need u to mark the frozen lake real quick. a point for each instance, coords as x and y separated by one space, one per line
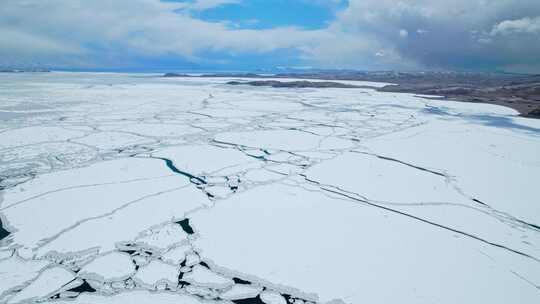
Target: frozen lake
119 188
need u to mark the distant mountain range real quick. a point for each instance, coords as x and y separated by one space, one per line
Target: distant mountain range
29 70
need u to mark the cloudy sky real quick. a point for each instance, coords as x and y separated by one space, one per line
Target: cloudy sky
488 35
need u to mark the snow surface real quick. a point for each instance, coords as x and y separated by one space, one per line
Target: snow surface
156 272
241 291
117 188
270 297
176 255
138 296
49 281
202 276
114 266
14 272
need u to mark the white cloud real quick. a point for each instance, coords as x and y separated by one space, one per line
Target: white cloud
147 27
485 40
114 30
523 25
403 33
201 5
106 32
13 40
459 30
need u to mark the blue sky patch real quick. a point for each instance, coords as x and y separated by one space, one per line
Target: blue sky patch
265 14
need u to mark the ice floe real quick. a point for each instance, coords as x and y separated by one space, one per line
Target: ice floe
116 188
14 272
49 281
115 266
241 291
202 276
157 272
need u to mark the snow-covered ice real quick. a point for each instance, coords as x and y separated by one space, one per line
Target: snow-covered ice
49 281
114 266
269 297
14 272
162 237
156 272
201 276
241 291
117 188
138 296
176 255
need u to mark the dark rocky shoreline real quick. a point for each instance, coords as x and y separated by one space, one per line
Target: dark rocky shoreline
295 84
516 91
